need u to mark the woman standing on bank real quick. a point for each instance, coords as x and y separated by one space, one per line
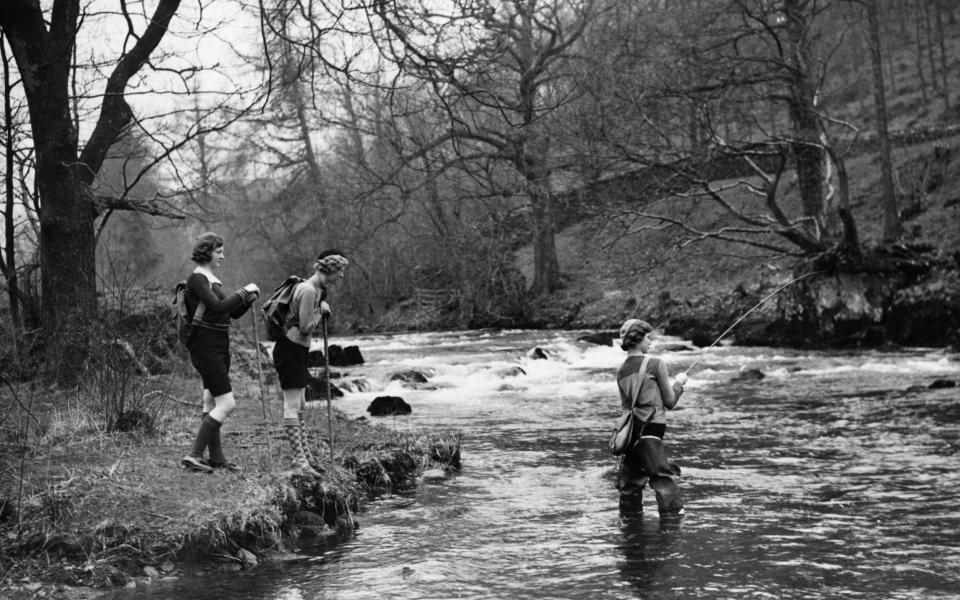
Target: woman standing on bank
645 385
308 309
210 310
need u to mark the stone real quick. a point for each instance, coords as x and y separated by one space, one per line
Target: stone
537 354
247 559
601 338
748 375
151 572
385 406
939 384
511 372
410 376
345 357
434 475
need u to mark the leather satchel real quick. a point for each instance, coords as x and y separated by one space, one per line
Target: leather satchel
622 439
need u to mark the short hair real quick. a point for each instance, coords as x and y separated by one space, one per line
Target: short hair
204 247
632 332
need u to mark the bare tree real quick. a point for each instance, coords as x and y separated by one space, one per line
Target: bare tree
892 225
501 70
43 39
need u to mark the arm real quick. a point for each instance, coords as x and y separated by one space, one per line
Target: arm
308 320
200 287
670 394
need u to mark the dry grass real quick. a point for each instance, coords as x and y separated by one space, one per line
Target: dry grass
80 505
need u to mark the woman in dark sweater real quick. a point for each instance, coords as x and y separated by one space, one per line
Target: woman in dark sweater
210 310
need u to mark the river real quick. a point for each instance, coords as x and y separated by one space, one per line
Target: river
832 476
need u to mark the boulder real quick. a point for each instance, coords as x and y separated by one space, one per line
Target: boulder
940 384
315 359
345 357
385 406
511 372
317 389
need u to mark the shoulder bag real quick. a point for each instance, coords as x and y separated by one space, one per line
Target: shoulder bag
622 439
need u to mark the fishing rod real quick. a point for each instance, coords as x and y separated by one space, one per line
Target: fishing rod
744 316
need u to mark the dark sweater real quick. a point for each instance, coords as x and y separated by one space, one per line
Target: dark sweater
219 308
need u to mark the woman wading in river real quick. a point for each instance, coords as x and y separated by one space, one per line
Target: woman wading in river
645 385
210 311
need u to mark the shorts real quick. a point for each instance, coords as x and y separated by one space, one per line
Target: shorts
290 360
210 356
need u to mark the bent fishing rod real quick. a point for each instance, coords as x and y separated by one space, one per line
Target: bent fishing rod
744 315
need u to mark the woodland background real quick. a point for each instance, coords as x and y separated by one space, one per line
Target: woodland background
543 163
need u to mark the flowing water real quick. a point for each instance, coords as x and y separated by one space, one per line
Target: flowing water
834 476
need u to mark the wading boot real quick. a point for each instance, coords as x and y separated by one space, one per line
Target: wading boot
631 506
299 459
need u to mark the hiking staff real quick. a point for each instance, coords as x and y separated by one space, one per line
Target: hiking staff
298 319
263 401
326 373
744 316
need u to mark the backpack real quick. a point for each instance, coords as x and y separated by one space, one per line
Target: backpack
276 308
181 316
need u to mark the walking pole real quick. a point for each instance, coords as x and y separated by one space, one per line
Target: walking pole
326 370
744 315
263 402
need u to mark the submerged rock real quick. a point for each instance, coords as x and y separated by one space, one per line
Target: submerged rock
748 375
414 376
511 372
537 354
601 338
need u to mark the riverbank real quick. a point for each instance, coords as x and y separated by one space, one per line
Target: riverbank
83 510
884 295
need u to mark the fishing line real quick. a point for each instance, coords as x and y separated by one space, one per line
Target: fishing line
744 315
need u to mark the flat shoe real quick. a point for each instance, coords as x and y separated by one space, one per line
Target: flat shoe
196 464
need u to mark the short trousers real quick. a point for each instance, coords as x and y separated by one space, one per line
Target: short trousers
290 359
210 356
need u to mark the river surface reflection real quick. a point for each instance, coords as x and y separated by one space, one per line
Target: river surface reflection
835 475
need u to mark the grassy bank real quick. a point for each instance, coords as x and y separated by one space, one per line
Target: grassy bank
93 494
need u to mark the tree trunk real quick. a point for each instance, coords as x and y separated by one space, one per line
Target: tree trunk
892 226
67 257
806 147
546 267
9 250
938 10
918 61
